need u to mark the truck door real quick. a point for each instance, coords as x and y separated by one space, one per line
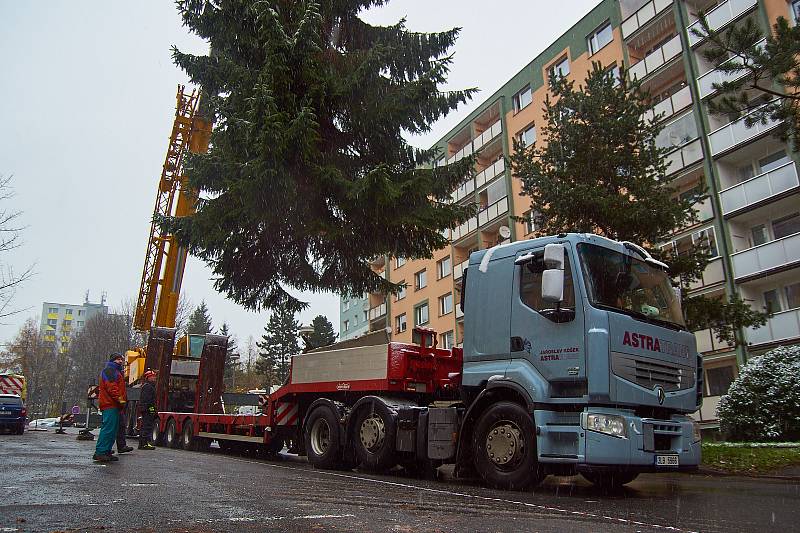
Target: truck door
549 336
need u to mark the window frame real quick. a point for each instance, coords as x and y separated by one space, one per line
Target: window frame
520 136
417 277
452 336
402 294
591 39
417 309
517 99
442 300
551 70
399 262
439 264
398 322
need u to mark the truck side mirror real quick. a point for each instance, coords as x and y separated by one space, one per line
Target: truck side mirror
554 256
553 285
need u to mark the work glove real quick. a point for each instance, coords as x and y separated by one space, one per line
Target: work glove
151 409
122 403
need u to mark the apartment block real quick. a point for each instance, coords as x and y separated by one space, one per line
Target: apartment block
61 321
751 216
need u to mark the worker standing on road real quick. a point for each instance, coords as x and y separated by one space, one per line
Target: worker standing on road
112 397
147 401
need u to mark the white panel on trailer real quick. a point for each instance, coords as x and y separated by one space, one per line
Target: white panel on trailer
349 364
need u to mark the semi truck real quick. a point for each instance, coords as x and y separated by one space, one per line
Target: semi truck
575 359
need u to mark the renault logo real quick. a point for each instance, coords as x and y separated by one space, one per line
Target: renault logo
660 394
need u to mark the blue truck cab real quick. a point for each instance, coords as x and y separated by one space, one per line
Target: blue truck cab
588 334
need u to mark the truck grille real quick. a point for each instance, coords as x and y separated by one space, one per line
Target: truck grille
649 373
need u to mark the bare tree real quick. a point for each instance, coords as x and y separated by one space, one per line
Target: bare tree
29 355
10 239
182 314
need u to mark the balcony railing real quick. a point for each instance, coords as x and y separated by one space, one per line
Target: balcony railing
477 143
493 131
766 256
719 17
707 342
643 15
737 132
670 50
675 103
459 269
489 173
377 311
780 326
464 229
684 156
466 189
706 82
498 208
712 275
459 312
759 188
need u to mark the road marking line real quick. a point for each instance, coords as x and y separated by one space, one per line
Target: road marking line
466 495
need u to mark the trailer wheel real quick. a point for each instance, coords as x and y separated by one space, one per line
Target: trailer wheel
505 447
373 436
187 437
156 436
610 481
322 438
171 434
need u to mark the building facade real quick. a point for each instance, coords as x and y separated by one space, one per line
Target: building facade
60 322
751 217
353 317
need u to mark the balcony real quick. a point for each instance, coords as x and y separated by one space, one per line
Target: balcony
707 342
681 158
466 189
720 16
464 229
712 275
645 14
759 188
767 256
781 326
377 312
490 172
484 138
500 207
737 132
458 270
652 62
461 154
675 103
716 76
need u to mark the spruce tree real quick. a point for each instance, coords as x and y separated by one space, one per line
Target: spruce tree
278 344
199 320
768 84
322 335
602 172
309 104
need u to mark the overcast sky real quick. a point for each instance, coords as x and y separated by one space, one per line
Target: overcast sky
87 98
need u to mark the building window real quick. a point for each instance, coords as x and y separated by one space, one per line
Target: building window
446 304
399 261
67 323
705 237
346 305
446 340
402 293
80 312
719 380
526 137
52 322
772 301
443 267
400 323
533 221
796 10
601 37
613 71
53 310
80 323
522 99
786 226
792 295
366 316
420 280
759 234
560 68
346 325
421 315
355 321
68 312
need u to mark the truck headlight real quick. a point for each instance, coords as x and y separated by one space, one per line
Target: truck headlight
613 425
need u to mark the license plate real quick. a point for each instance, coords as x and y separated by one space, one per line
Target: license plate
667 460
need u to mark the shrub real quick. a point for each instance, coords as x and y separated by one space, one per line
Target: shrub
763 403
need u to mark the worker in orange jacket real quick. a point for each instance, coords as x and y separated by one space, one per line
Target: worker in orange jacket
112 397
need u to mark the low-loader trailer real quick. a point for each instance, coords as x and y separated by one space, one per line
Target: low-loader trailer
575 359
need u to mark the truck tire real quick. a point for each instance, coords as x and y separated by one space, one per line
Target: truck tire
373 435
187 437
504 447
171 439
609 481
322 438
156 438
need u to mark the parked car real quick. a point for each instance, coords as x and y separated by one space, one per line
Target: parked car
13 413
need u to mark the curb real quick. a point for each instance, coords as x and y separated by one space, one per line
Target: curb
722 473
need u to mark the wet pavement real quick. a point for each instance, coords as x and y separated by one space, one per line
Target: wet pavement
49 483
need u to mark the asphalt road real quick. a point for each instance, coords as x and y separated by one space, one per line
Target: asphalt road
49 483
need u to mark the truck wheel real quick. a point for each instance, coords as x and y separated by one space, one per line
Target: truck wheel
171 434
156 437
505 447
322 438
610 481
187 437
373 434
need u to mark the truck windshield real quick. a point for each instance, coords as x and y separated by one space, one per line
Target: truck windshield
631 286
